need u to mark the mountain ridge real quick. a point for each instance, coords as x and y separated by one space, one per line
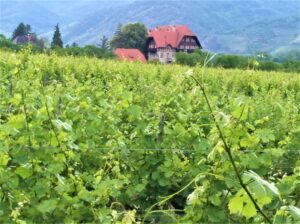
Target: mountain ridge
232 26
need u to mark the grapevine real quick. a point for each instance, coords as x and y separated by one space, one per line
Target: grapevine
102 141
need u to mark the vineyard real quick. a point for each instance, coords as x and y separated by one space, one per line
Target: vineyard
84 140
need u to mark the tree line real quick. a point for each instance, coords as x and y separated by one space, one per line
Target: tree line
135 35
126 36
260 61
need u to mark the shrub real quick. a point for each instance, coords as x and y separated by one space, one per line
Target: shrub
292 66
231 61
154 61
191 59
89 50
6 43
269 66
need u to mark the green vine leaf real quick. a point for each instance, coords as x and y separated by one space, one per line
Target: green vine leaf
242 204
249 210
24 171
260 186
47 206
294 211
236 204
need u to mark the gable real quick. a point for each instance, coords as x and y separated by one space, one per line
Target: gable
169 35
191 41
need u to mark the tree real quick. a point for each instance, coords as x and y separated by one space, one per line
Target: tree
118 30
132 35
28 28
292 66
6 43
56 40
74 44
104 43
42 42
21 30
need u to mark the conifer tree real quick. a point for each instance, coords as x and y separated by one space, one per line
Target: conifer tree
118 30
56 40
28 28
104 43
21 30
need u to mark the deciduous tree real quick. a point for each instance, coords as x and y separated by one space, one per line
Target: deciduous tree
133 35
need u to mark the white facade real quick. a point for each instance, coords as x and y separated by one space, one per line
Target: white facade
164 55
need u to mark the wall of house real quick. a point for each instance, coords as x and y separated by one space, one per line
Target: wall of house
166 55
152 56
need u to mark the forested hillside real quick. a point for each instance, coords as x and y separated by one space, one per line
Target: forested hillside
233 26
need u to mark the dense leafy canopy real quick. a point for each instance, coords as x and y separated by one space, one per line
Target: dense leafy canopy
21 30
94 141
7 44
257 62
132 35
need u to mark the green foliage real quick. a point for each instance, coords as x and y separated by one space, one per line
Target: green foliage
192 59
232 61
88 50
133 35
154 61
292 66
56 40
269 66
21 30
7 44
84 140
104 43
262 61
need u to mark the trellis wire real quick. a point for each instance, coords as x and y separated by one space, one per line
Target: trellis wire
174 150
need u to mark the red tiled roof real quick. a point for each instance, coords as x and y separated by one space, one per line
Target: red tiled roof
130 55
169 35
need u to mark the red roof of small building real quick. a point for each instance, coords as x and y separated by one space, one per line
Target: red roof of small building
169 35
130 55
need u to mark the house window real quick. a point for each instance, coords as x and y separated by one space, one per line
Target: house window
168 55
187 39
161 55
